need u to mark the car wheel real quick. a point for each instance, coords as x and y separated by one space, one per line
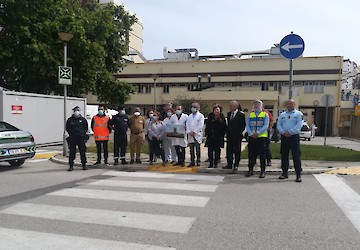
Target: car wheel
16 163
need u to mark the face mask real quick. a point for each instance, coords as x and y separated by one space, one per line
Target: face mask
155 118
169 114
122 112
193 110
100 112
151 115
76 113
137 113
178 112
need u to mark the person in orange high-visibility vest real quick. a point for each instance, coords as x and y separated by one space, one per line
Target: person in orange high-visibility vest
101 128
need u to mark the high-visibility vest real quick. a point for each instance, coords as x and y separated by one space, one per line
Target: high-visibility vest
101 130
256 122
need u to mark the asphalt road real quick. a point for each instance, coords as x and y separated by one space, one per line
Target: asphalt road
42 206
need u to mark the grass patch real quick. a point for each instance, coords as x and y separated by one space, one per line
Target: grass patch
92 148
317 153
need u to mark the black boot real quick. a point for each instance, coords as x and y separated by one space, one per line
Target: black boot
250 172
262 172
84 167
298 178
71 168
123 162
116 161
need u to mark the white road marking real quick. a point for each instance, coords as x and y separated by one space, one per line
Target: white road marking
216 178
36 160
156 185
344 196
157 222
31 240
168 199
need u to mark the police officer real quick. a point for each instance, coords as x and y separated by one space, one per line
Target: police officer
289 125
119 124
136 126
101 128
77 126
256 126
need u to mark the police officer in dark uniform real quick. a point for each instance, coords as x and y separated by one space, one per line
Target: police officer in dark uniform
77 126
119 123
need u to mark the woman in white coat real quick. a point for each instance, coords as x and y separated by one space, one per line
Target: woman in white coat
170 153
179 118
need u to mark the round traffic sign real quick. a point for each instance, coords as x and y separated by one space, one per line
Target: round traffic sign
292 46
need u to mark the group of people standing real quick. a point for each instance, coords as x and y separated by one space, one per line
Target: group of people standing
172 149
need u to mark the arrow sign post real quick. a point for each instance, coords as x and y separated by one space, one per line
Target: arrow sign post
291 47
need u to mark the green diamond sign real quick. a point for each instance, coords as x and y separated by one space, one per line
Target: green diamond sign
65 75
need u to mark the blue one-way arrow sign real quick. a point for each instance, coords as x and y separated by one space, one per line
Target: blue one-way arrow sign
292 46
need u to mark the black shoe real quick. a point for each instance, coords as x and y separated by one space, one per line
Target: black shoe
176 164
132 161
262 175
182 164
298 179
138 161
207 160
172 162
215 166
116 162
198 164
71 168
97 163
84 167
191 165
106 162
236 168
283 176
124 162
249 173
210 166
268 163
227 167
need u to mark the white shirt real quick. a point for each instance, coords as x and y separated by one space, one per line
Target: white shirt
195 123
182 121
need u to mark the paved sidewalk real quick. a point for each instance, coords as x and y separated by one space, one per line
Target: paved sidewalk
309 167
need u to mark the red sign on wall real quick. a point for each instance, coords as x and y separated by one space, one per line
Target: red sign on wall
16 109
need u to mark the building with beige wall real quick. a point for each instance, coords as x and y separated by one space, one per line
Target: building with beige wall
224 79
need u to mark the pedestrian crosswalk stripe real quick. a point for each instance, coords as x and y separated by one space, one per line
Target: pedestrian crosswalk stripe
168 199
344 196
147 221
194 177
31 240
156 185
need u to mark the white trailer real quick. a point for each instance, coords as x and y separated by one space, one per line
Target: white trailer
41 115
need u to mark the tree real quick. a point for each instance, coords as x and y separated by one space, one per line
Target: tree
186 103
31 51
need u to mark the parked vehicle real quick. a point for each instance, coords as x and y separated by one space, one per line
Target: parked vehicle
15 145
305 132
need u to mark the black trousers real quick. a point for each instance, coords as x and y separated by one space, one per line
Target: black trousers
257 147
157 149
233 148
80 143
214 151
180 152
195 147
290 143
120 144
103 145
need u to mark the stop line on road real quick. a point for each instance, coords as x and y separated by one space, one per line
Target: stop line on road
148 191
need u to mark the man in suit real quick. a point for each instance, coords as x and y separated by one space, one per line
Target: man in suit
234 135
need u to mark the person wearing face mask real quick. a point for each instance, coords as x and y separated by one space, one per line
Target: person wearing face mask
101 127
194 126
119 123
77 126
289 125
149 115
156 134
257 127
136 125
170 153
179 118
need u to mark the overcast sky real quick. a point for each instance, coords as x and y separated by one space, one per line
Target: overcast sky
328 27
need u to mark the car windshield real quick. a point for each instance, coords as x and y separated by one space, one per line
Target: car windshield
7 127
305 127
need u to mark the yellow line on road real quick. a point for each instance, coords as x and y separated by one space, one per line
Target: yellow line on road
350 171
172 169
44 155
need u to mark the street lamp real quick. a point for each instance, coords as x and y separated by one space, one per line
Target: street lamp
65 37
155 77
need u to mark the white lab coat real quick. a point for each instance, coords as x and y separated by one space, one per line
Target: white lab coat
195 123
182 121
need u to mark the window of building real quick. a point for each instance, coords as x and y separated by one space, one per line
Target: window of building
277 86
166 88
330 83
319 87
298 84
308 88
255 84
264 86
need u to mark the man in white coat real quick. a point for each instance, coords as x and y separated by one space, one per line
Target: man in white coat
179 118
194 127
